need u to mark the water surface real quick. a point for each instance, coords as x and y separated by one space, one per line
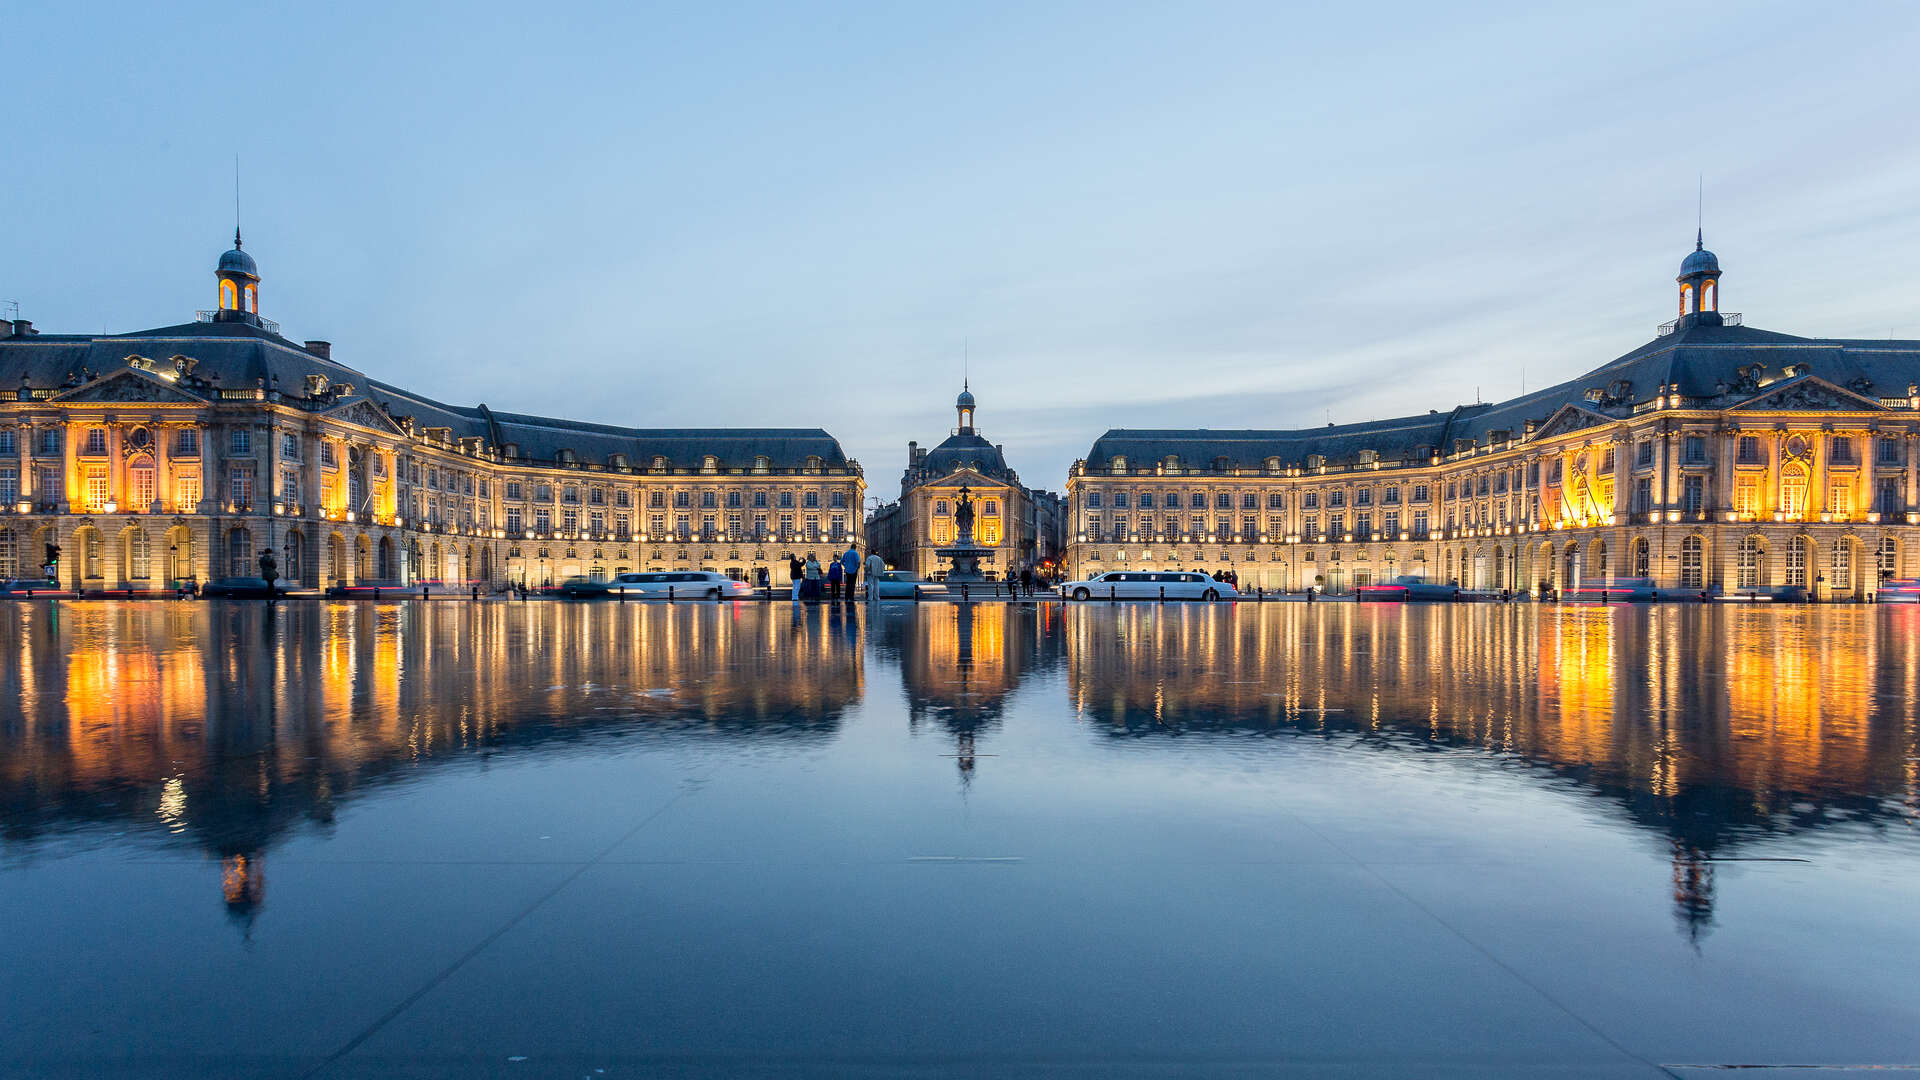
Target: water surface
533 840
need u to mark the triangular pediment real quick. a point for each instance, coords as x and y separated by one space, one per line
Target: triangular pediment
1808 393
970 477
128 385
1570 418
365 413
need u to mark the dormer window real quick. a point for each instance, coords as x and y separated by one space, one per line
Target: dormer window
761 463
1118 465
660 462
709 464
510 451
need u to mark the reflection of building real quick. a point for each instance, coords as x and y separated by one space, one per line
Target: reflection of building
181 452
229 729
1713 455
1020 525
961 662
1707 725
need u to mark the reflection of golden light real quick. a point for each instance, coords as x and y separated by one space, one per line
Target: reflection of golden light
173 804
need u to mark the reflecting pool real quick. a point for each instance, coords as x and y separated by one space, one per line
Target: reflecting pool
550 839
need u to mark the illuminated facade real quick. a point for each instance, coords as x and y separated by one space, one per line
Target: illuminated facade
181 453
1716 456
1020 526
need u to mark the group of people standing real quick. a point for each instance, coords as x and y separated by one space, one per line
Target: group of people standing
838 580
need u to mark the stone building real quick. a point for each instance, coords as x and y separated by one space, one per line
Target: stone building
1020 525
181 453
1716 455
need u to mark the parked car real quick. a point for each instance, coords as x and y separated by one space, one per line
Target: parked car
243 587
658 585
901 585
1149 585
1408 588
1900 591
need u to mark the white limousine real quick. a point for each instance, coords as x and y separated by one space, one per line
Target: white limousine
1149 585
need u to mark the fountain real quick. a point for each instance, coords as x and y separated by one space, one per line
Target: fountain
964 554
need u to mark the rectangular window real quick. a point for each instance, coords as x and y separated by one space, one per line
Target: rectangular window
1842 448
1276 501
1750 452
1695 449
1337 497
240 441
1693 494
1363 524
1642 495
1645 453
597 523
1310 500
1746 496
186 491
1419 493
1840 500
6 441
1419 524
1093 500
682 526
1336 526
96 440
50 440
240 487
290 447
543 521
9 488
570 521
623 527
514 527
1390 524
1888 499
1888 451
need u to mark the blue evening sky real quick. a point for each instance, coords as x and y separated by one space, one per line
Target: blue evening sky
1167 215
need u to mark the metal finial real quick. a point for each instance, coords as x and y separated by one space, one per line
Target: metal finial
236 238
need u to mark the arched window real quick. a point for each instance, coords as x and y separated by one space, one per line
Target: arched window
1692 563
140 485
1793 494
1641 563
239 553
139 556
1707 297
1799 554
253 299
1749 564
229 298
91 548
1842 575
1600 558
1889 558
1686 299
1570 568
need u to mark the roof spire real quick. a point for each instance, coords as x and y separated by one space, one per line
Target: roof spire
236 202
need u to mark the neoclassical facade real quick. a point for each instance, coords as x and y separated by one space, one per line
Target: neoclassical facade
1716 456
181 453
1020 526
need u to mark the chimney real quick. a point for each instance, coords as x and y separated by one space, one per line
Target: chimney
23 328
913 450
321 349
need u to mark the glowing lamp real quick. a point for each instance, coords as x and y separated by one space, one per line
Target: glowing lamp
111 507
24 506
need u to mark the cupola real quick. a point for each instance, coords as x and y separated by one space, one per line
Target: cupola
963 405
239 285
1700 284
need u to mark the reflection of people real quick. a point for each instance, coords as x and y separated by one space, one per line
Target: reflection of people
875 565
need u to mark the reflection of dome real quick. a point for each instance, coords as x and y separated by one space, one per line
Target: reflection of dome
1701 261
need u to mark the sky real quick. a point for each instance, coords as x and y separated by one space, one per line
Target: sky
1106 215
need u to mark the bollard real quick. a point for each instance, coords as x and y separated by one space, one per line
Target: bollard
1163 594
1603 596
916 592
376 592
963 592
669 594
717 596
1110 596
623 594
425 590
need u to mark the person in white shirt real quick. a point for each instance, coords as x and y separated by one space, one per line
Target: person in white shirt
875 564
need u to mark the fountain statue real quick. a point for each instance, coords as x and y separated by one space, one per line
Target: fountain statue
964 554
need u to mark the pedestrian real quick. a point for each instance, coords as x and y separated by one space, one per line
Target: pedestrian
834 576
875 564
811 570
850 570
1026 579
796 573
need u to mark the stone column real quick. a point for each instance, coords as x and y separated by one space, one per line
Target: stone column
158 435
29 482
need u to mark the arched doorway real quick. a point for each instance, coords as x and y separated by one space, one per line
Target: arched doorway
136 557
336 559
1570 568
179 555
362 558
240 554
1750 563
1639 558
1693 562
293 559
1843 575
385 554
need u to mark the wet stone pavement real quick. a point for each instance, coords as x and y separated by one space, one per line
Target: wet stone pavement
597 840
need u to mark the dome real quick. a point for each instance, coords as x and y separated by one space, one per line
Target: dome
237 261
1701 261
964 401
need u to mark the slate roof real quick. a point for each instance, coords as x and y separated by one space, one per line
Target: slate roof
965 452
1710 363
234 355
